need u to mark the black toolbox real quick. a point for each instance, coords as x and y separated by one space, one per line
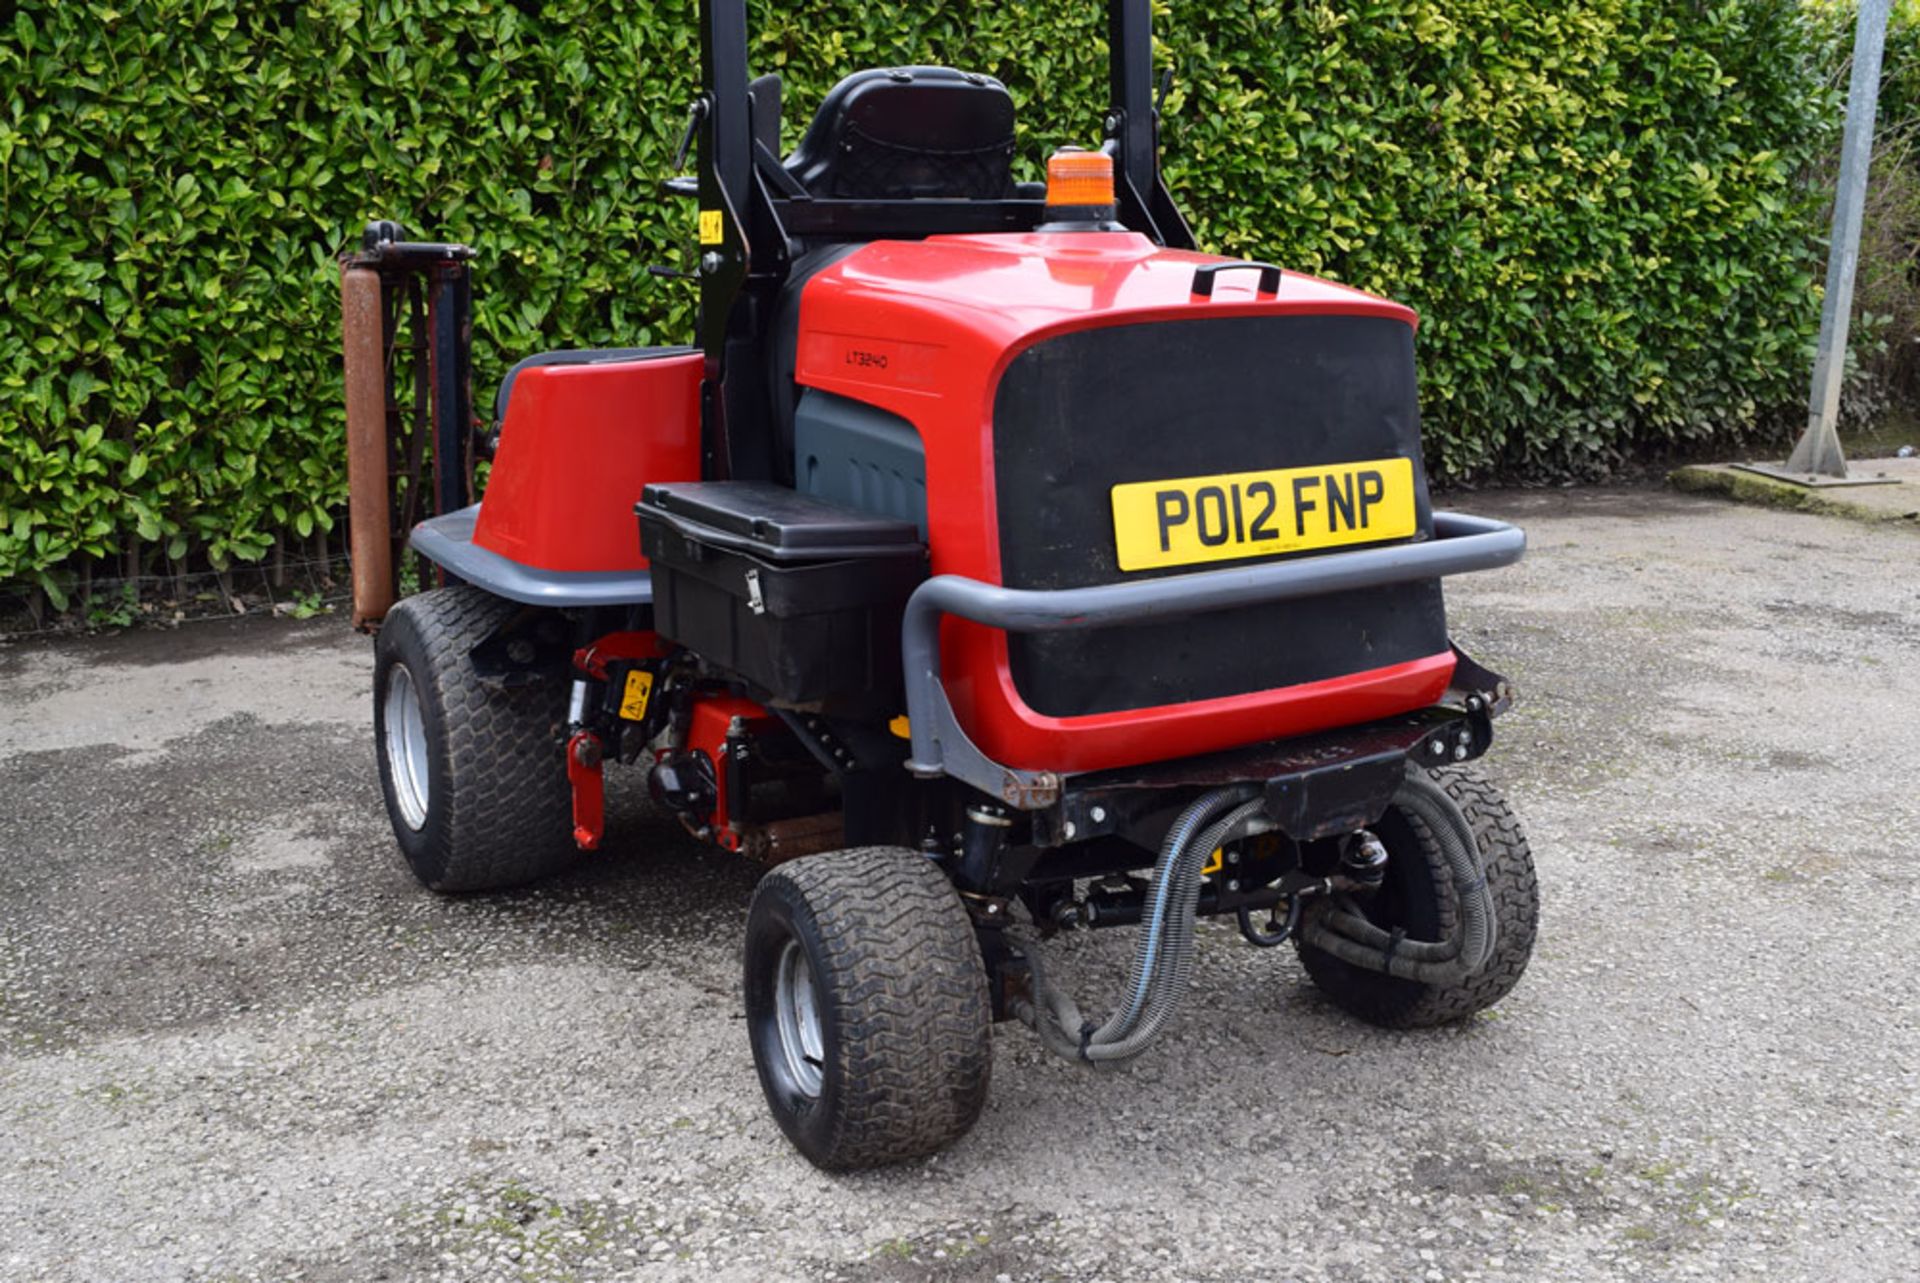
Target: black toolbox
799 596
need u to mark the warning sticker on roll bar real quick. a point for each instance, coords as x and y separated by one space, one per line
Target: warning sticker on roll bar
1191 520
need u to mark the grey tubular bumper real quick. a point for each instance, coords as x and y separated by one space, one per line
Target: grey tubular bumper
1460 544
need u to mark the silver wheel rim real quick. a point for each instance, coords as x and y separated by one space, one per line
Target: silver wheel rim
797 1020
407 747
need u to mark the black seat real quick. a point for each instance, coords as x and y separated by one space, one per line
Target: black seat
909 133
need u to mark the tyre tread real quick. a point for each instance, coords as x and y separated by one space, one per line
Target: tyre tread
509 815
906 988
1514 888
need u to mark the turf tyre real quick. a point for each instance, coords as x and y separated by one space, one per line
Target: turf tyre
1418 897
497 807
900 993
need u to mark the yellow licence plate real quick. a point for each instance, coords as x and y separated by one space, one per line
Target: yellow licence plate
1256 514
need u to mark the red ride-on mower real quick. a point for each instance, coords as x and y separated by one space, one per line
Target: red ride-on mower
1002 567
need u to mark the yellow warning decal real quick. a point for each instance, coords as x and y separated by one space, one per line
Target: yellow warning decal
713 227
633 700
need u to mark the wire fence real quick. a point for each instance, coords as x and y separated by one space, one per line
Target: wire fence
290 588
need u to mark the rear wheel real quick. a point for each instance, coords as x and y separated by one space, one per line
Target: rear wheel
474 777
867 1006
1418 898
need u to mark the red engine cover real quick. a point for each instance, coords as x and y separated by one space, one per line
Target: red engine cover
578 444
926 329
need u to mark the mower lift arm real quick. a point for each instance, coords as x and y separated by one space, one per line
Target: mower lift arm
1461 544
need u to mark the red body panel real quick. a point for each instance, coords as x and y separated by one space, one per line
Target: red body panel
578 444
589 786
591 661
713 717
925 330
585 750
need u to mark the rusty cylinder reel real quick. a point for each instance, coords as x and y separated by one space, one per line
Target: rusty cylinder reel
369 487
427 284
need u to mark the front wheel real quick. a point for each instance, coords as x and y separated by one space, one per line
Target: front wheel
474 775
867 1006
1418 898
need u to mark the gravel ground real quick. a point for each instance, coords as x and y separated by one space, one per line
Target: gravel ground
237 1042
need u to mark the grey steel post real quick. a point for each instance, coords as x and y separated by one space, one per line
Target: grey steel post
1818 451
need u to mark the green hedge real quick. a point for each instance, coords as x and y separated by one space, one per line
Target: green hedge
1593 205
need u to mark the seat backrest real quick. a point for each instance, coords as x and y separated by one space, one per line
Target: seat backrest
908 132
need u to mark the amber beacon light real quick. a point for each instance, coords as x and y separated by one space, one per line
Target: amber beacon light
1079 189
1077 177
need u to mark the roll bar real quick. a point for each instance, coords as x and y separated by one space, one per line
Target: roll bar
1133 127
748 218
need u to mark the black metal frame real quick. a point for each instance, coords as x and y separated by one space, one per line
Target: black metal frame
1133 127
764 219
429 283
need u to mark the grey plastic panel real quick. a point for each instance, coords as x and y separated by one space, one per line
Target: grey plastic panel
859 456
447 541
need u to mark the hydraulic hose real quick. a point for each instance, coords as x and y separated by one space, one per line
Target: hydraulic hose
1176 965
1163 959
1435 817
1059 1025
1180 836
1271 939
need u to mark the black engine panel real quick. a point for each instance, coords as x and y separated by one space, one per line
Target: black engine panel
1078 414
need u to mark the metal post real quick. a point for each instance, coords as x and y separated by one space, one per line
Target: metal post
725 154
369 486
1818 452
1130 77
1133 127
375 283
450 319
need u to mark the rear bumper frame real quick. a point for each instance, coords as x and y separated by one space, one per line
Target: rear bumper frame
1312 786
1460 544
